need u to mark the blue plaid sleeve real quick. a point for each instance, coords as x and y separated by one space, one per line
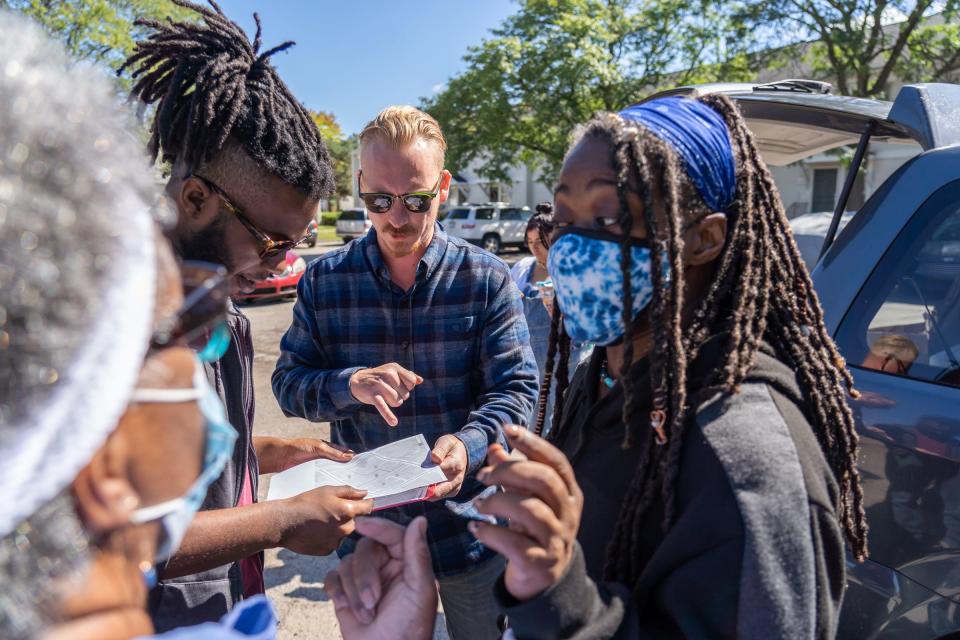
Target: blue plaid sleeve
301 383
509 374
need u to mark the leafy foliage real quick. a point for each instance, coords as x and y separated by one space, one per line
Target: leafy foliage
100 31
340 148
555 63
863 45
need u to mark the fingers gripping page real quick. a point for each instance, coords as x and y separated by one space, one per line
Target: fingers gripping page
393 474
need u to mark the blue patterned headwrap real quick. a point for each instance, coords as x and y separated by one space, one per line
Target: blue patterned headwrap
700 136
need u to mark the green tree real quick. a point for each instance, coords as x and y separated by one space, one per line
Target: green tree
555 63
340 147
100 31
861 46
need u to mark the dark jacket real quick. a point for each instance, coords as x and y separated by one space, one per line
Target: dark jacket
208 596
755 550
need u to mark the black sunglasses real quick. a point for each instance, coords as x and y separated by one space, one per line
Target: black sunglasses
415 202
204 309
268 246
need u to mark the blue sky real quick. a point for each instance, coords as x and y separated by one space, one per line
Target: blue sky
355 57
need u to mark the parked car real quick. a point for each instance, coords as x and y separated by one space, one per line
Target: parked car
353 223
493 225
282 285
810 230
311 240
892 277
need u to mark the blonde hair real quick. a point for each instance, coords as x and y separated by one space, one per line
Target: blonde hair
401 125
895 345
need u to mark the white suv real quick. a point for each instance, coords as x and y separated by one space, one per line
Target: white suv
493 226
353 223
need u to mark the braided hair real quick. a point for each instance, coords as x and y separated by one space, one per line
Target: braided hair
761 292
559 342
212 85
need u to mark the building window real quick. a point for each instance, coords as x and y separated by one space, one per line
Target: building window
824 190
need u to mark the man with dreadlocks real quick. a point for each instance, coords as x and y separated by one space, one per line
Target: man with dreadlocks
248 169
704 475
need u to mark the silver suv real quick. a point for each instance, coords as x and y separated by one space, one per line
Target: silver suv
493 225
353 223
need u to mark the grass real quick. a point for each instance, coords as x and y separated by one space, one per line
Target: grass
327 234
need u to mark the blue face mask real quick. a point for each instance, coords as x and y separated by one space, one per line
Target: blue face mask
585 268
175 515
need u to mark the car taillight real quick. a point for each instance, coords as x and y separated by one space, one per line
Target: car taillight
468 225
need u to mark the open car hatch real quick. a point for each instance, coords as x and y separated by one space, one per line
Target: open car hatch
791 121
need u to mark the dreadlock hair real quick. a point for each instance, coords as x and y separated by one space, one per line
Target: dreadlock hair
559 341
212 85
761 291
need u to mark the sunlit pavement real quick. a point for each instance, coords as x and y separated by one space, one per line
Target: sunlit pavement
295 582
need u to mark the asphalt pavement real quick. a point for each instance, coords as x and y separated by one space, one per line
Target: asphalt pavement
295 582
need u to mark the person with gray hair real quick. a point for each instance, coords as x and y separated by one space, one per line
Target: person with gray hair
109 431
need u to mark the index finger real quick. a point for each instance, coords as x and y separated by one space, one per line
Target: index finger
408 378
384 410
539 450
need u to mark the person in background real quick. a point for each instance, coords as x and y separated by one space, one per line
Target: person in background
531 277
108 443
247 171
409 331
892 353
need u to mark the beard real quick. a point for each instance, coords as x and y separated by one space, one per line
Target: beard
209 245
418 240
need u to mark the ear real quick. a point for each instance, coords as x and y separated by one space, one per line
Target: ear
104 496
445 186
197 202
705 241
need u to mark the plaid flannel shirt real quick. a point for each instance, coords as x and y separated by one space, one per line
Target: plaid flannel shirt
460 327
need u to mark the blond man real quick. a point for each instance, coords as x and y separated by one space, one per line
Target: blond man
891 353
409 331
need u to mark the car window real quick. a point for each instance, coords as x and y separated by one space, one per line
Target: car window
906 320
458 214
511 214
486 214
353 214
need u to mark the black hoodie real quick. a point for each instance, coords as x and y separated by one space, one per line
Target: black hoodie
755 550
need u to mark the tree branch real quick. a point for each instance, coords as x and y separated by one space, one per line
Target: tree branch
906 30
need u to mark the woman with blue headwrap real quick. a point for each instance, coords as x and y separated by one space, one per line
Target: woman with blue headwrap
700 480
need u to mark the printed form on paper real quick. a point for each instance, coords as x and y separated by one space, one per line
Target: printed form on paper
394 474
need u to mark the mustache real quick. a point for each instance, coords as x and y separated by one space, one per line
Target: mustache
404 230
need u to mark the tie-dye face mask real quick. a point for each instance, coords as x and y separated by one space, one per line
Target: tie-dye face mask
585 268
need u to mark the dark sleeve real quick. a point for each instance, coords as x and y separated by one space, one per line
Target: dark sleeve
305 382
828 547
690 585
508 374
696 600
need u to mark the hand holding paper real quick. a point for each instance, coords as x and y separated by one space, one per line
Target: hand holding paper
451 454
393 474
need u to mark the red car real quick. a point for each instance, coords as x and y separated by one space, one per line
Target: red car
282 285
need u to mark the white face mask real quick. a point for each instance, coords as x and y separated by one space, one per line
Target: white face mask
175 515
